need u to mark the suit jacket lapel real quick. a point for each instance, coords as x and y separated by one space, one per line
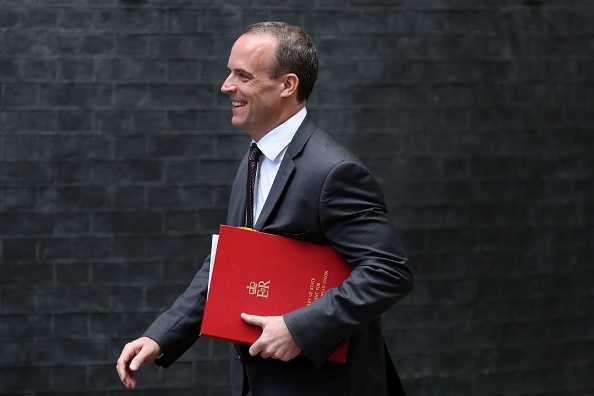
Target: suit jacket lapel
237 204
285 170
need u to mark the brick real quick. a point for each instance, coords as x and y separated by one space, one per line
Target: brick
181 247
215 71
25 223
231 146
180 222
131 44
221 19
69 274
130 70
72 172
75 17
182 71
76 69
72 300
16 353
211 219
150 122
71 326
21 121
182 46
71 351
138 19
73 198
119 273
92 248
126 299
164 197
72 223
37 69
221 170
36 16
183 20
129 247
131 95
24 327
180 171
55 248
140 171
162 297
146 122
20 41
75 148
129 197
74 121
76 95
179 95
64 43
138 223
182 120
20 147
19 199
23 274
12 379
67 378
113 325
130 147
179 146
18 301
114 121
9 17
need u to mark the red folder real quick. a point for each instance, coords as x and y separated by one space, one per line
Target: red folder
266 275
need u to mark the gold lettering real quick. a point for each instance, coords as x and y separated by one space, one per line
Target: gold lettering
252 287
263 289
260 289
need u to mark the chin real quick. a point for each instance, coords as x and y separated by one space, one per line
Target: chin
236 123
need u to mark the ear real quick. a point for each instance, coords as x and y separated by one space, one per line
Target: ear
290 83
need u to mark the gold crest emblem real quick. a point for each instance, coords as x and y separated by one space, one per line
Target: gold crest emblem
260 289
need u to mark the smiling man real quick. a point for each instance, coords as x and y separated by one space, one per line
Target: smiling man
308 187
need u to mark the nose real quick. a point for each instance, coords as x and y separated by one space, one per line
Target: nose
227 86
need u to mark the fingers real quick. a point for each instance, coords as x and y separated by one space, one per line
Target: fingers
136 354
258 346
275 341
124 372
254 319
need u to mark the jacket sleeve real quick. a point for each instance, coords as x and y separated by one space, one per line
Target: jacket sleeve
355 221
178 328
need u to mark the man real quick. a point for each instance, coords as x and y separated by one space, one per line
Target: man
311 188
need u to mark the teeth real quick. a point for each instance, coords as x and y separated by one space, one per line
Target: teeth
237 104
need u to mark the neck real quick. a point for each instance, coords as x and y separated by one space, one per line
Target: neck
285 115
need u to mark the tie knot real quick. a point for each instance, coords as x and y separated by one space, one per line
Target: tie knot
254 153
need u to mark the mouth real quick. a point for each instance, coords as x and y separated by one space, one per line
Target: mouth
238 104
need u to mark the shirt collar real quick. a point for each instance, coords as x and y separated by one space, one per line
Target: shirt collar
275 141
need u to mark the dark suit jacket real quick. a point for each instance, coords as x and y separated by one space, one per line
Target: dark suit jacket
321 194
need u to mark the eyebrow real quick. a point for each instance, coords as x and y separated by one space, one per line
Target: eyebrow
240 70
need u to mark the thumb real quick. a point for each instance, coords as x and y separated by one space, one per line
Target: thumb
136 363
140 360
253 319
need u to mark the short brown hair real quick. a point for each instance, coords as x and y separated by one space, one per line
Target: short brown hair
295 53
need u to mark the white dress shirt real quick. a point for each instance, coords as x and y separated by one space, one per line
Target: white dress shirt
273 146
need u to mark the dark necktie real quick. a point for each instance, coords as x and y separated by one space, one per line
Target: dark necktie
251 179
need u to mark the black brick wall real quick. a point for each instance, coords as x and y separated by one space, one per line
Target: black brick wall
117 155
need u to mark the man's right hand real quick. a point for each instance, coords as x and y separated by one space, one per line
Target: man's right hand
136 354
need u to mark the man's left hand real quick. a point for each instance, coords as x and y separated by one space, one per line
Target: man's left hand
276 340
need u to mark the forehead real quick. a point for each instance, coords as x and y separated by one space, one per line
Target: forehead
253 52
